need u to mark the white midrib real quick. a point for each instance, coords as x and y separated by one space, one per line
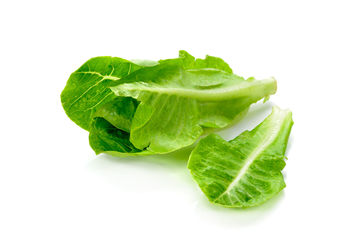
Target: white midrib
277 122
264 87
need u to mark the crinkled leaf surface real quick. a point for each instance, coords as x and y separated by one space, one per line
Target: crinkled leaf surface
245 171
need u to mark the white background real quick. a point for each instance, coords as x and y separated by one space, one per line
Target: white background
56 195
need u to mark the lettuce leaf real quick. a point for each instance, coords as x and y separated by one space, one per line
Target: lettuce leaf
176 104
245 171
110 129
148 107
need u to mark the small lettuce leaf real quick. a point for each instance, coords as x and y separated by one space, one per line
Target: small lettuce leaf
245 171
110 129
86 90
177 102
119 112
105 137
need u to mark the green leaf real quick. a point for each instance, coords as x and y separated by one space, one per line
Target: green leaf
119 112
245 171
177 102
105 137
86 90
110 129
158 106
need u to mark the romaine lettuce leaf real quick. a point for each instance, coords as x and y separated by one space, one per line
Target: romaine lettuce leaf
245 171
159 106
177 103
